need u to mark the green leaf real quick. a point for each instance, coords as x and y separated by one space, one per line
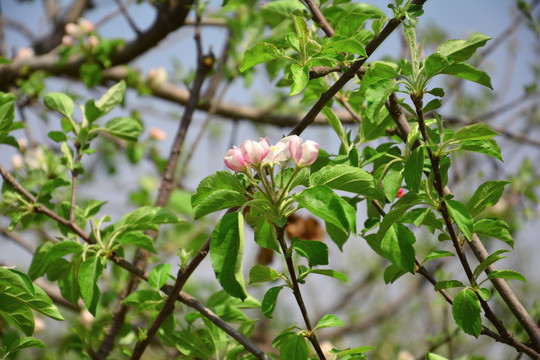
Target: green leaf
261 273
124 128
397 247
7 113
446 284
91 74
316 252
259 53
432 105
349 24
376 95
61 249
39 302
52 184
484 293
111 98
216 192
458 212
329 320
90 271
226 252
348 178
334 122
412 173
475 132
400 208
491 259
343 45
300 76
487 194
57 136
159 276
432 356
468 72
38 266
269 301
59 102
25 343
461 50
265 235
496 228
466 312
294 347
360 350
331 273
437 255
392 183
487 147
392 273
16 313
16 279
507 275
321 201
144 299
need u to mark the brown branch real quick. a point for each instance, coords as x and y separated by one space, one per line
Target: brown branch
319 18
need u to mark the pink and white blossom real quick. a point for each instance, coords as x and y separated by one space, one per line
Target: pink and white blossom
255 151
67 40
86 26
235 160
304 154
93 41
74 30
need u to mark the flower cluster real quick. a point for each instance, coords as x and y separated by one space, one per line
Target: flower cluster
83 28
258 153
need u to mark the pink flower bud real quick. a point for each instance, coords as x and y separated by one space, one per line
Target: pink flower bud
86 26
67 40
73 30
93 41
157 134
235 160
400 193
254 152
306 154
157 77
24 53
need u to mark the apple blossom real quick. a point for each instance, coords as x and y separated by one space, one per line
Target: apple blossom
93 41
157 77
400 193
74 30
86 25
254 152
235 160
304 154
282 149
157 134
67 40
24 53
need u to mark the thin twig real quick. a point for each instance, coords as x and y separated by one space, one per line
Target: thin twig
128 17
17 239
319 18
280 231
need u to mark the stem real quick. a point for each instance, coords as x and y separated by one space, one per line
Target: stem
280 231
